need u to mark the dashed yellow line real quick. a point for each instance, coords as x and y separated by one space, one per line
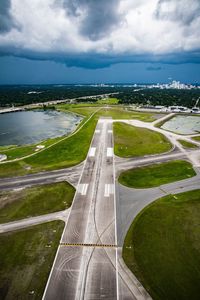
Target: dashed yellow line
88 245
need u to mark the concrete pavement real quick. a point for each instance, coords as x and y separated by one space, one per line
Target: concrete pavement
24 223
71 175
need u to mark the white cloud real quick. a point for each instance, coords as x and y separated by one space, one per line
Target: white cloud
135 27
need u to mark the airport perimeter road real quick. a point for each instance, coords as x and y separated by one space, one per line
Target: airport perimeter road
85 266
72 175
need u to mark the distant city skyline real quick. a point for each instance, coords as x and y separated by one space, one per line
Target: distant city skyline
84 41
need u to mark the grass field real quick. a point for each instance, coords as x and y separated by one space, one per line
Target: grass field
109 101
134 141
196 138
156 175
26 260
162 247
186 144
35 201
122 113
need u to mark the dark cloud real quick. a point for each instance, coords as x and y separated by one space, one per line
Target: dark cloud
99 61
100 16
183 11
6 20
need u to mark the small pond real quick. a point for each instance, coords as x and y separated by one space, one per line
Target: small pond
183 124
28 127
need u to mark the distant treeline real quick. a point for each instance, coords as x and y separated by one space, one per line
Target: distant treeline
22 95
170 97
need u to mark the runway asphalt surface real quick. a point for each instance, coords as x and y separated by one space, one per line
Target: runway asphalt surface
86 264
71 175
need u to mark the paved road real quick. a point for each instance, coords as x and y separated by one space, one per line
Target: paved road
24 223
89 269
72 175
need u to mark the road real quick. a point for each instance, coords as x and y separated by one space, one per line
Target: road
24 223
71 175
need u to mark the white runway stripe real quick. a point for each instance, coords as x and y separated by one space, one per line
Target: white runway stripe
110 131
97 131
82 188
109 152
109 190
92 152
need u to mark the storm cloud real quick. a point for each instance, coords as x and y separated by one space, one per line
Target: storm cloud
97 18
183 11
6 20
92 34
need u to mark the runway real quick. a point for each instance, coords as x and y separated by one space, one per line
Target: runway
86 264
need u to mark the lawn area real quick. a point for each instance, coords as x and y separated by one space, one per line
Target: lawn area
109 101
196 138
186 144
162 247
121 113
156 175
35 201
81 109
134 141
26 260
18 152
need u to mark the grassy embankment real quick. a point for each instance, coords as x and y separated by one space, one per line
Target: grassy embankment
69 151
35 201
196 138
134 141
187 145
162 247
156 175
26 260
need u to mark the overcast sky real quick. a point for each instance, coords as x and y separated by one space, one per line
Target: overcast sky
66 41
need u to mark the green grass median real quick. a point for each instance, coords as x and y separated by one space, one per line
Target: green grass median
26 260
162 247
187 145
35 201
133 141
157 174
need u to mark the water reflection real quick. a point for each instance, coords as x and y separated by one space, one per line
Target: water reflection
29 127
183 124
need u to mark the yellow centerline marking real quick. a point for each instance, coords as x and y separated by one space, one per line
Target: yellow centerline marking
88 245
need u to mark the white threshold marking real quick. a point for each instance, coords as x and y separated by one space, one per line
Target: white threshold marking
109 152
97 131
109 189
110 131
82 188
92 152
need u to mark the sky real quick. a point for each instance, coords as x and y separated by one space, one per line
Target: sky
99 41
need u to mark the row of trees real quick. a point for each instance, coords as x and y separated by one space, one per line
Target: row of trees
170 97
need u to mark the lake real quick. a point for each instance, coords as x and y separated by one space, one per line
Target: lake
183 124
29 127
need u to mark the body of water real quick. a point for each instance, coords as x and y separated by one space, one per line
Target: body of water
183 125
29 127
